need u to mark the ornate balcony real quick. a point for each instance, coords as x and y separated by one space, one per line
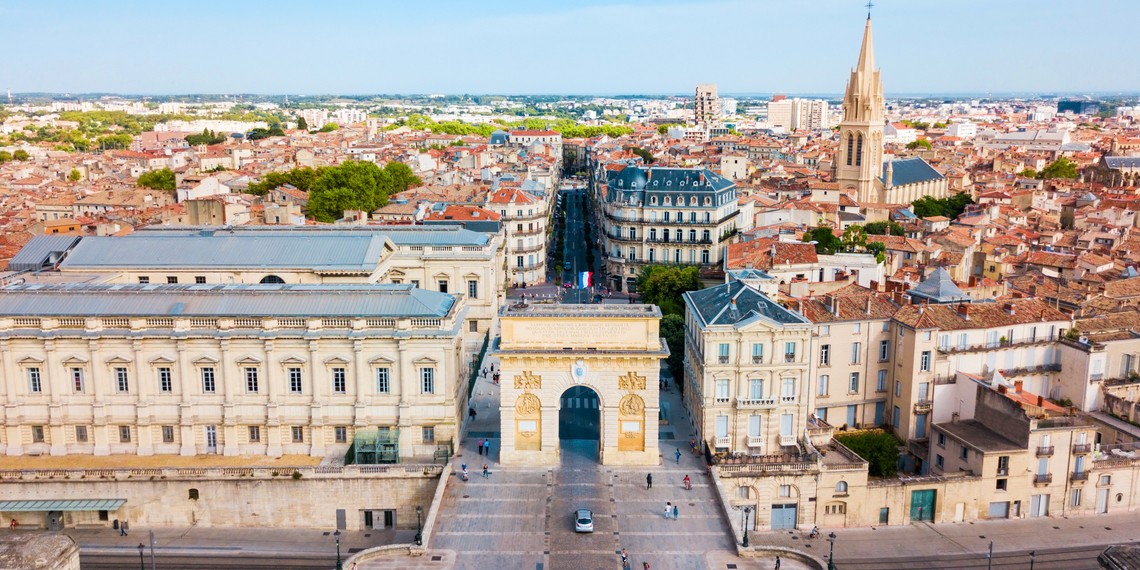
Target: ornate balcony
1045 451
756 402
723 442
1078 476
755 441
922 406
787 440
1080 448
1043 479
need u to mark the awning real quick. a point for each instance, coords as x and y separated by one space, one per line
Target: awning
61 505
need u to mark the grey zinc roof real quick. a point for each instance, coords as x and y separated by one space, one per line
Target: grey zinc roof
38 252
910 171
224 300
442 235
66 505
671 181
1122 161
713 306
939 287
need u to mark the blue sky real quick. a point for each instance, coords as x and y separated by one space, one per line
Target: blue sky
577 47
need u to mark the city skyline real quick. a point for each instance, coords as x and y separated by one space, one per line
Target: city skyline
508 48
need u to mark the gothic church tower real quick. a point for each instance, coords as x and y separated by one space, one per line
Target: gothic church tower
859 162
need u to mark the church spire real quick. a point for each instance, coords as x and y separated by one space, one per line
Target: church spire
867 51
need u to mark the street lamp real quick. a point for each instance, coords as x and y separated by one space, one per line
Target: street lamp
339 564
744 524
1032 558
142 561
831 553
990 557
419 526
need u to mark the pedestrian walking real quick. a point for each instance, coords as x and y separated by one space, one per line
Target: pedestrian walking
668 509
649 481
675 511
471 413
486 472
645 566
487 448
678 456
777 563
624 560
123 529
480 447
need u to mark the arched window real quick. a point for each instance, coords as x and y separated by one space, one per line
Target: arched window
271 279
193 494
841 487
859 151
693 201
850 148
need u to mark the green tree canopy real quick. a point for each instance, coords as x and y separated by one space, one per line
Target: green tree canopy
885 227
5 156
1028 173
356 185
854 238
825 240
301 178
879 249
950 206
114 142
1060 168
644 154
329 127
919 143
74 175
302 124
673 331
878 448
662 285
21 154
206 137
158 179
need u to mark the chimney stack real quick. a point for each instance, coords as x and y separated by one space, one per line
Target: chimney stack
1002 389
964 310
1040 401
1009 308
1018 385
868 304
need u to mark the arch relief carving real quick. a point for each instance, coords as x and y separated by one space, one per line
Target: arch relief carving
528 406
632 405
528 381
631 381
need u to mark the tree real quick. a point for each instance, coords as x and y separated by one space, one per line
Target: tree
950 206
663 285
825 240
885 227
5 156
919 143
673 331
400 177
1060 168
114 142
940 125
878 448
158 180
356 186
21 155
879 249
74 175
1028 173
644 154
854 238
207 137
300 178
302 124
329 127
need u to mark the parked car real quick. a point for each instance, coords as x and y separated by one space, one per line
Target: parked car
583 520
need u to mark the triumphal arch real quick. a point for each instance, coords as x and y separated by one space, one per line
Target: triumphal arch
547 351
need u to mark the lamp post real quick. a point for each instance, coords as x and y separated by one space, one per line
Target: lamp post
419 526
831 553
744 512
142 561
1032 558
990 557
339 564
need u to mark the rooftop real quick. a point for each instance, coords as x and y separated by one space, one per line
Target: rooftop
734 303
977 435
616 311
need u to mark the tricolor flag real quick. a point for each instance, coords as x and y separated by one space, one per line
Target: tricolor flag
584 279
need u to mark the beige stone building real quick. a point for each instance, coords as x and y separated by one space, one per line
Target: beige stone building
1101 350
608 353
229 369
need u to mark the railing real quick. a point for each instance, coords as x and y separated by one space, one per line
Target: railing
531 232
426 323
755 441
1045 451
307 471
333 323
526 266
528 248
789 358
721 399
1044 479
723 442
722 359
1079 476
757 359
922 406
71 322
788 399
381 323
787 440
1003 472
996 345
671 222
1082 448
755 402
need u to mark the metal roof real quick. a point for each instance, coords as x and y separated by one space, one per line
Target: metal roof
939 287
910 171
37 253
70 505
360 253
715 306
1122 161
389 300
453 235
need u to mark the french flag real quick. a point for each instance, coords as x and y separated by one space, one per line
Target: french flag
584 279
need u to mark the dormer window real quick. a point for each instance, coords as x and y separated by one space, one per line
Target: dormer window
708 201
653 200
668 201
668 182
682 182
693 201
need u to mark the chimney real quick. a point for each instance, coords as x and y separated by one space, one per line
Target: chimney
964 310
1009 308
1002 389
954 417
1040 401
973 281
868 304
1018 385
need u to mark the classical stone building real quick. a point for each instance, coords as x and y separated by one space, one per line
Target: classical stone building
228 369
612 352
666 216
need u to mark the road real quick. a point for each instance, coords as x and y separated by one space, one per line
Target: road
575 245
184 561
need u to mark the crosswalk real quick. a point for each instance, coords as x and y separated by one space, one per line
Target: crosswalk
579 403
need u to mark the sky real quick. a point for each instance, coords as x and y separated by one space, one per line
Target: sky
564 46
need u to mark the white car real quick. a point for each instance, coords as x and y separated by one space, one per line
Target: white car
583 521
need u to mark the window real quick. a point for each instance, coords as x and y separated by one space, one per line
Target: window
254 434
824 330
251 380
338 381
442 285
823 385
754 425
193 494
77 379
853 383
895 417
172 279
37 434
167 434
722 353
757 353
825 355
1075 500
965 453
472 326
124 434
705 257
924 363
143 279
785 491
340 434
850 148
80 434
859 150
199 279
473 289
743 492
294 380
382 386
165 383
518 262
789 352
1002 485
208 386
856 328
939 462
884 350
788 390
122 384
898 388
756 388
416 282
35 383
881 381
944 342
1003 465
429 434
856 351
927 335
298 434
941 439
841 487
1105 480
884 515
427 380
722 390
